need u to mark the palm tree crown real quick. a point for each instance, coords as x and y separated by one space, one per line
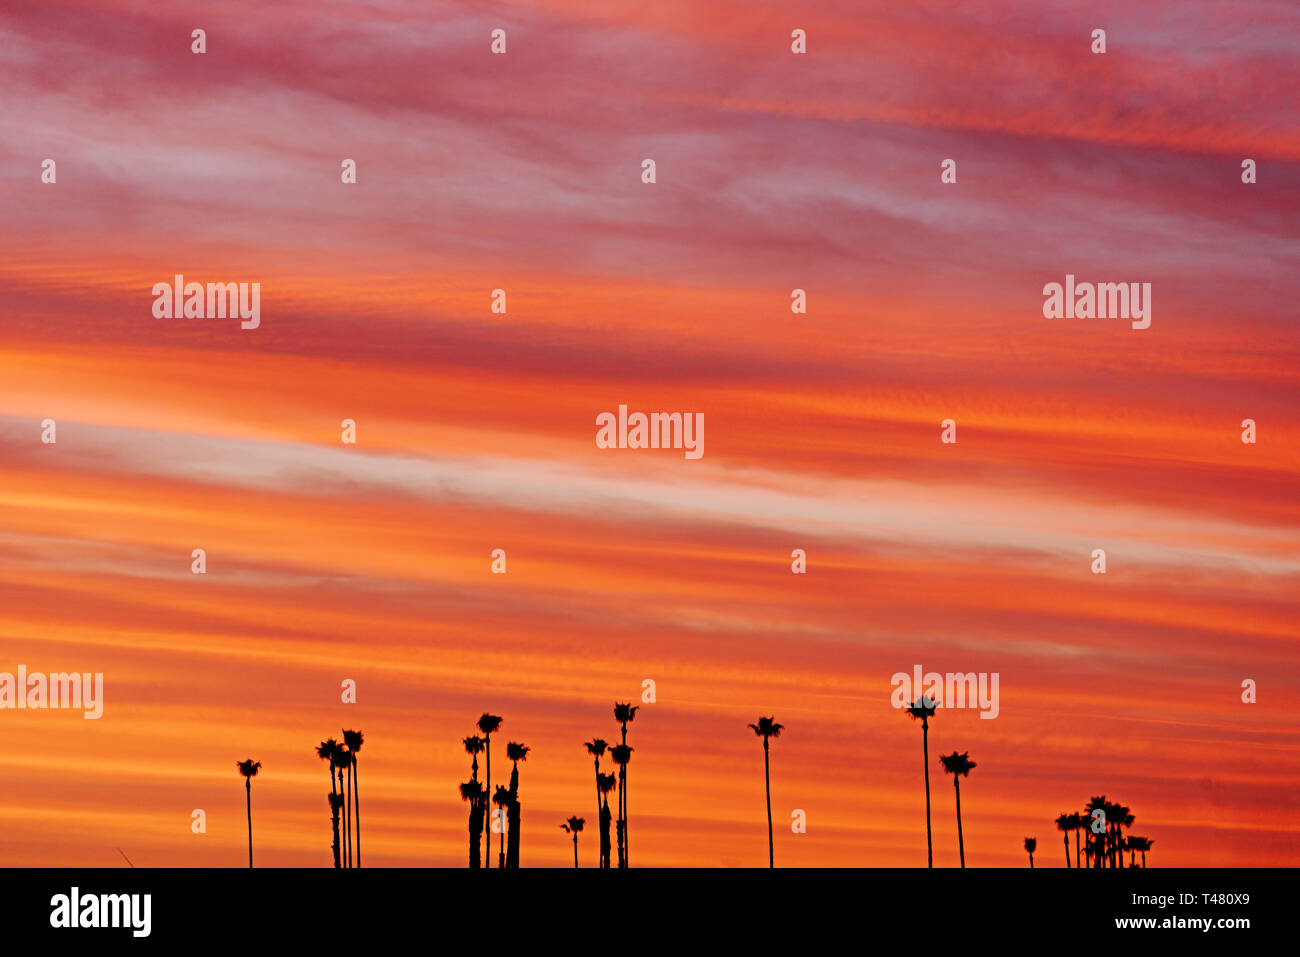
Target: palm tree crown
517 752
768 728
958 764
248 768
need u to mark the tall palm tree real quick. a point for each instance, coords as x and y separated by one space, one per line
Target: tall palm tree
488 725
1031 845
501 798
472 791
958 765
768 728
515 752
596 748
924 709
248 768
605 784
621 754
623 714
354 740
345 764
328 751
1076 825
1123 818
1064 824
574 826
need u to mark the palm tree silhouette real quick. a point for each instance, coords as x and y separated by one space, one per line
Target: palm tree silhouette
1123 818
767 728
605 784
345 762
923 709
958 765
515 752
1141 845
574 827
473 747
1064 824
596 748
472 791
488 725
621 754
354 740
248 768
623 714
501 798
328 751
1031 845
1076 825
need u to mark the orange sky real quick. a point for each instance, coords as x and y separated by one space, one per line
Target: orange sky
476 431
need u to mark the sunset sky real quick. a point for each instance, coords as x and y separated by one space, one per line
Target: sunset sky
476 431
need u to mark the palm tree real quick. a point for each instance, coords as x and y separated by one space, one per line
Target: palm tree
473 747
488 725
248 768
354 740
1064 824
574 827
623 714
923 709
605 784
345 763
1140 844
515 752
328 751
621 754
1031 845
501 798
472 791
958 765
596 748
1076 825
768 728
1123 818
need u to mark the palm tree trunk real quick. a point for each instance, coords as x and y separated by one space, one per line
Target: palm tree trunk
925 751
622 800
1065 839
347 816
1144 859
1031 861
487 830
961 844
575 850
767 780
599 853
248 791
1076 848
356 804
